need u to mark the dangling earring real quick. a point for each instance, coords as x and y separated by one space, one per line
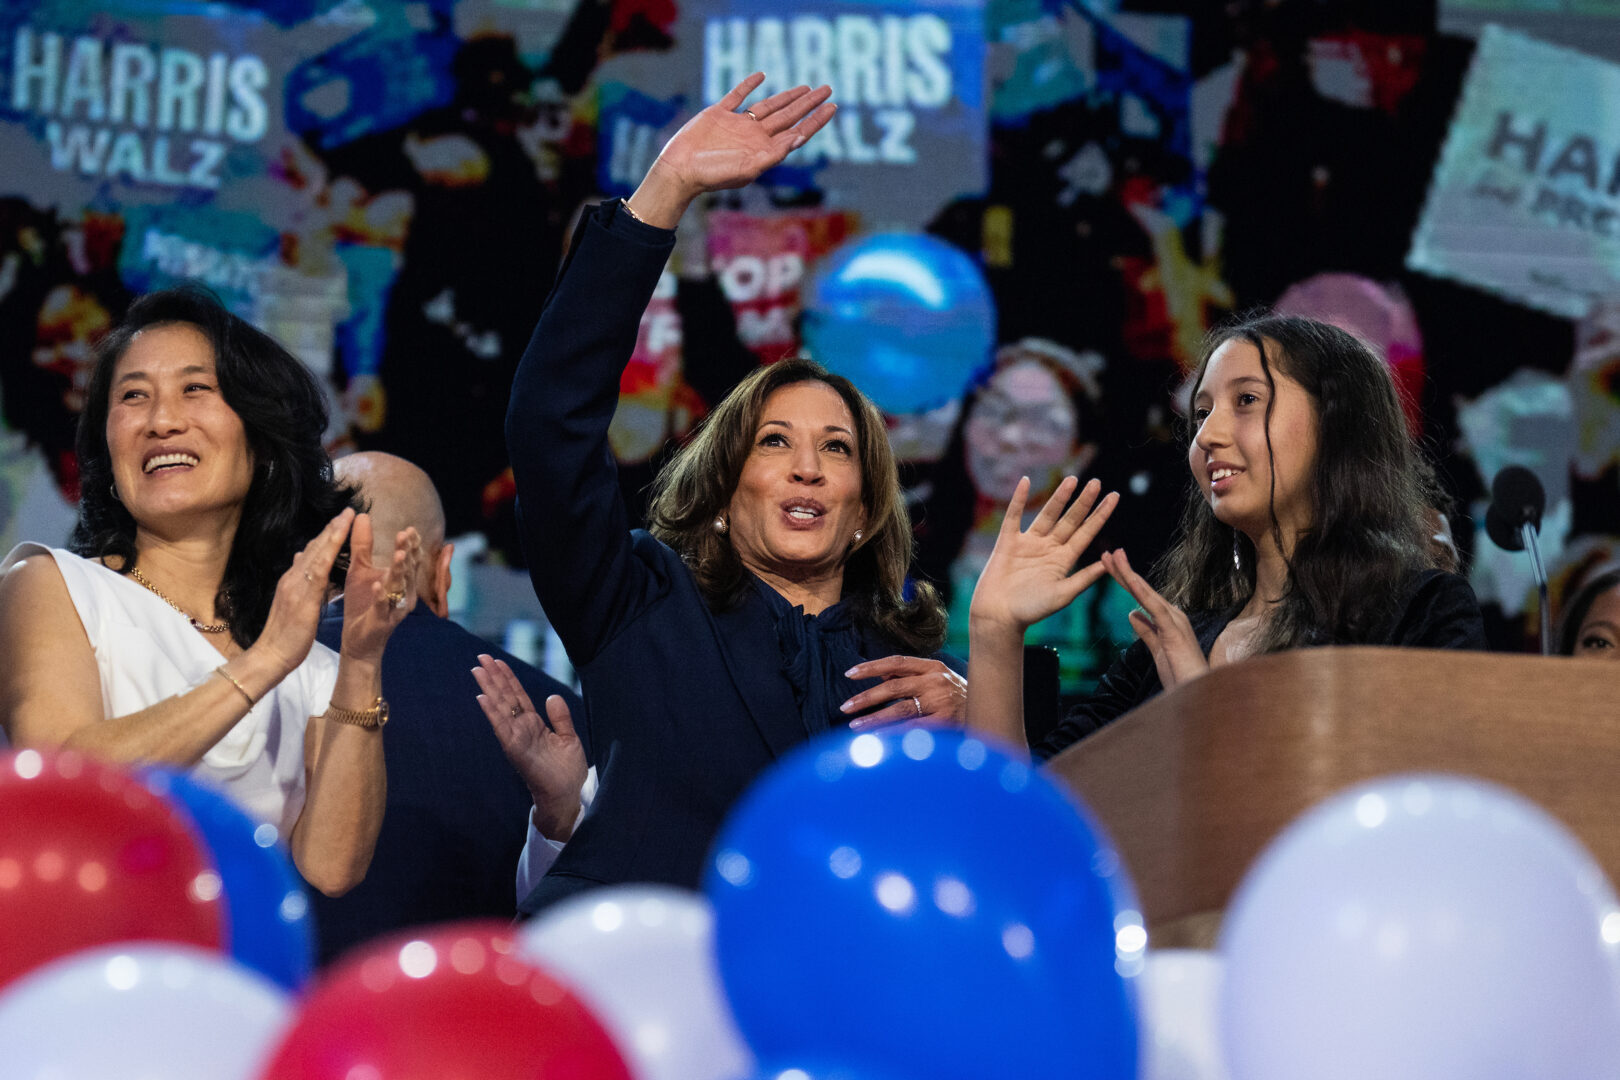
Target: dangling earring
113 487
720 525
1237 552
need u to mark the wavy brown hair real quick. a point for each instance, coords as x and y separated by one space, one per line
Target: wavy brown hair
699 481
1347 572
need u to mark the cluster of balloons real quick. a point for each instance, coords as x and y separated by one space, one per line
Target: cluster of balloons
1416 927
872 913
147 927
888 906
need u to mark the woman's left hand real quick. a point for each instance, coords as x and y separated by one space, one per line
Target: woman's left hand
1163 627
377 598
917 689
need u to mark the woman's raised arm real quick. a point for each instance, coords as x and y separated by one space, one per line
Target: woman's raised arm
570 514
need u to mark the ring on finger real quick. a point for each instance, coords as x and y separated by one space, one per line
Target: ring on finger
517 710
309 577
397 599
916 704
750 114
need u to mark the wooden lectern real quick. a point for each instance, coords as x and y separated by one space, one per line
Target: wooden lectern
1194 784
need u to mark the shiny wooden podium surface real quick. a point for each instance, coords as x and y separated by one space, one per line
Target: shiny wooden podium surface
1194 784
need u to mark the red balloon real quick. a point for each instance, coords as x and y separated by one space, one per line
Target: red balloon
89 856
453 1003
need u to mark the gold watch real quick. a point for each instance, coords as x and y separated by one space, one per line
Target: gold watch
373 718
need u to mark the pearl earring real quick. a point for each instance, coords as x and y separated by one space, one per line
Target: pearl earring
720 525
858 535
1237 553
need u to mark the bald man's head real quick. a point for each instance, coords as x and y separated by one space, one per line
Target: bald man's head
400 495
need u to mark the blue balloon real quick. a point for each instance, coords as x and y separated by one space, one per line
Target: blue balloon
921 904
907 318
803 1070
269 928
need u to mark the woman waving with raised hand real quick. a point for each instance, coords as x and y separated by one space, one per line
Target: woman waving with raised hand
768 602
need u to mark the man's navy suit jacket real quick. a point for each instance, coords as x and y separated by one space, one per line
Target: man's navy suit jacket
457 813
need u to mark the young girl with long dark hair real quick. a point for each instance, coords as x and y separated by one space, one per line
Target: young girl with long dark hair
1304 525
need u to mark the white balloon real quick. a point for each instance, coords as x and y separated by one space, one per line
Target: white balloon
140 1011
642 958
1423 928
1178 991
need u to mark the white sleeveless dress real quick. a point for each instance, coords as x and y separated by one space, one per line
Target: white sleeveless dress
147 651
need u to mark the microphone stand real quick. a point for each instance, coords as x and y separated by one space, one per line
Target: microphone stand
1539 570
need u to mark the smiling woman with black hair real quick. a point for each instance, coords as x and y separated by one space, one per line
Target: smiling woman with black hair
767 603
1304 525
180 630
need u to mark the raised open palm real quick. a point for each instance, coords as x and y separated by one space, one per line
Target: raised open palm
722 148
1031 573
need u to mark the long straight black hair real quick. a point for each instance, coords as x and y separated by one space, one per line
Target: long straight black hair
1368 497
292 495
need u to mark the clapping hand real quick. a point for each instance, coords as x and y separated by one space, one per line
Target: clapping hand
1163 627
377 598
551 760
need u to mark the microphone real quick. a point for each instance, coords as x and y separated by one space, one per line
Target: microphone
1517 499
1513 522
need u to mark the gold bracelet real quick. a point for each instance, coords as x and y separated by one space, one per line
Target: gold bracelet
371 719
228 677
633 215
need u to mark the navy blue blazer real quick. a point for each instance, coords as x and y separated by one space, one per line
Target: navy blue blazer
687 705
457 813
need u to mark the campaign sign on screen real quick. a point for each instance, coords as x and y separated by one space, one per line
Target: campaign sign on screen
908 79
173 104
1526 199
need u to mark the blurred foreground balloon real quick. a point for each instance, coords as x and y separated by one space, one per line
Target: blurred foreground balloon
269 928
918 903
140 1011
822 1072
907 318
455 1002
88 856
1423 928
1179 991
642 957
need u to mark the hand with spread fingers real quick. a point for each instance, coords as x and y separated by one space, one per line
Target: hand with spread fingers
1030 575
1031 572
726 146
550 759
377 598
914 688
1163 627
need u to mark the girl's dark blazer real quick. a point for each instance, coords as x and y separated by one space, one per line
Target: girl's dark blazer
686 705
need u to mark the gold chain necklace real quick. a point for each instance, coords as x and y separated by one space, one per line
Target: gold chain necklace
207 628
